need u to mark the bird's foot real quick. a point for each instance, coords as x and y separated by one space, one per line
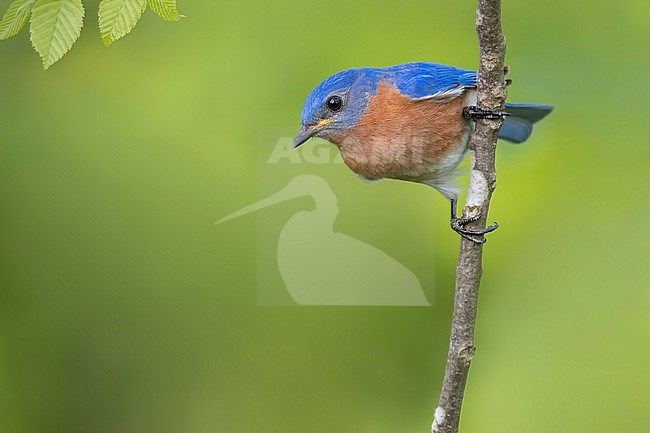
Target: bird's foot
458 225
474 112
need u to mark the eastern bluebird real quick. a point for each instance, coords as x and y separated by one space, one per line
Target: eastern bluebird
409 122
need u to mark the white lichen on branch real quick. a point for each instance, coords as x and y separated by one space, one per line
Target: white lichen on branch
478 189
438 419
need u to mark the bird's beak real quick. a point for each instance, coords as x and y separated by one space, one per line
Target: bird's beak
308 131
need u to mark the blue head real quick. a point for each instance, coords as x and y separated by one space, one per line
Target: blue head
335 105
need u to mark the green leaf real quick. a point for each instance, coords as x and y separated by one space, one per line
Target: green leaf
15 19
166 9
55 27
118 17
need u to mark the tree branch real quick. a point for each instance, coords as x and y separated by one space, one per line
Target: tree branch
491 95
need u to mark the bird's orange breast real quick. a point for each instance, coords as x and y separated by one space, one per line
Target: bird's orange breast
402 138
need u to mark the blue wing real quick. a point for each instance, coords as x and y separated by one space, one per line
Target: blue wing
431 80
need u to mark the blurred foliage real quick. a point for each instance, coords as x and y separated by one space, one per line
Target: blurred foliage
56 24
124 309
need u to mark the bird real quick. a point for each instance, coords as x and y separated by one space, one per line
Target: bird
409 122
309 249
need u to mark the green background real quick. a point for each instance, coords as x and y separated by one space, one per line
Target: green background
123 308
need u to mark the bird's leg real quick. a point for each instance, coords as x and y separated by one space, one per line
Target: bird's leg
474 112
458 225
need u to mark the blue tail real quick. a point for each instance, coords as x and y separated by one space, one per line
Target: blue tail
519 125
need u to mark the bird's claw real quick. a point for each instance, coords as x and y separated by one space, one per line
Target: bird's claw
458 225
474 112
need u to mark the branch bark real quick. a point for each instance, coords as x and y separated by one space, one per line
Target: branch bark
491 95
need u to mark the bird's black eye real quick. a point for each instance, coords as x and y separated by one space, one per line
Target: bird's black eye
334 103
